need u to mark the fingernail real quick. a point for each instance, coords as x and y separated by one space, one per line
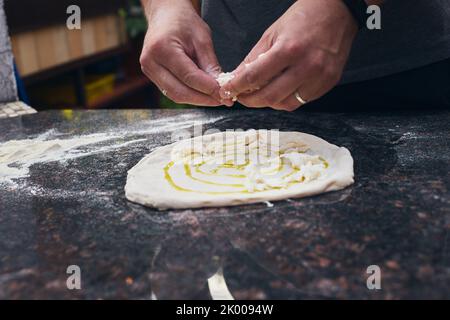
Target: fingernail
227 103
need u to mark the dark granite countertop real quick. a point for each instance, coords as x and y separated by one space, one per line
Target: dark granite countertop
74 212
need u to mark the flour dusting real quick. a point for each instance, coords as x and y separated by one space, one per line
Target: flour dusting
17 156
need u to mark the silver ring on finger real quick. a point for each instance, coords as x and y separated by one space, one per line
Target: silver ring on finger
299 98
164 92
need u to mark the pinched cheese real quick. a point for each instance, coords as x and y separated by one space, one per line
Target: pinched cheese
224 78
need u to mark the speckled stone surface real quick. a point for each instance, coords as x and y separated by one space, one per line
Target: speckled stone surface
396 215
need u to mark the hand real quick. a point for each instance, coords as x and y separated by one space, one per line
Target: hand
178 54
305 51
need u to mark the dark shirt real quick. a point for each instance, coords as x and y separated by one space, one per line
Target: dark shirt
414 34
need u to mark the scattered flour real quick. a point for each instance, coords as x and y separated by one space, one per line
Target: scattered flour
17 156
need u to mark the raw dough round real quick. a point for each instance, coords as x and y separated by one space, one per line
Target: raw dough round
234 168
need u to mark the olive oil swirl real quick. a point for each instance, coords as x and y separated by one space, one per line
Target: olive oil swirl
228 165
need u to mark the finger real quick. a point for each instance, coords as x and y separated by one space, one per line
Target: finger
186 71
255 74
206 57
176 90
208 62
291 103
275 92
260 49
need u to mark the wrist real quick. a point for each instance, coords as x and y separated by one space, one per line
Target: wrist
351 24
153 6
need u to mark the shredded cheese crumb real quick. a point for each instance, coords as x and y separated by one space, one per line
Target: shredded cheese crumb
224 78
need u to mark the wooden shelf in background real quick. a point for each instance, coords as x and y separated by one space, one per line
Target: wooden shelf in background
28 15
73 65
121 91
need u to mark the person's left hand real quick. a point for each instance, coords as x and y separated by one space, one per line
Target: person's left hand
304 52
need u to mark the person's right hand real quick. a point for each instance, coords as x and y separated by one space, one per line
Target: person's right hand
178 54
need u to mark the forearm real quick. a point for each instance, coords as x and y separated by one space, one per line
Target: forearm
150 5
146 4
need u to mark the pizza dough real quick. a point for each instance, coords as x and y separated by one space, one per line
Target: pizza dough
233 168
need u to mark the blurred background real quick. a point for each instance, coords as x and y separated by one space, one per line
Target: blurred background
92 68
